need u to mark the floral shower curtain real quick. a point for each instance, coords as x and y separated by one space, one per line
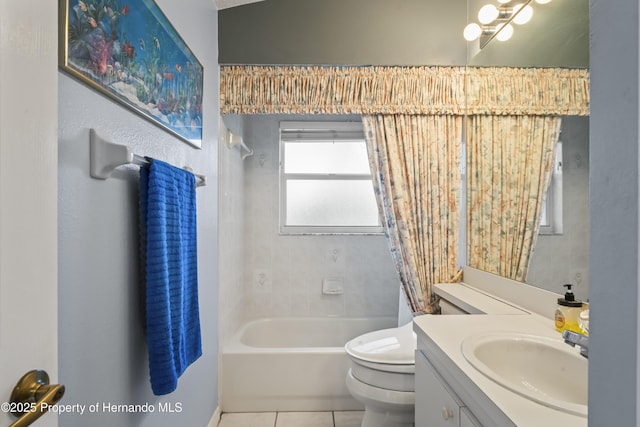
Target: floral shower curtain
509 165
415 164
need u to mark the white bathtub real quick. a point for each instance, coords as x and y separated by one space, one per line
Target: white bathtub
291 364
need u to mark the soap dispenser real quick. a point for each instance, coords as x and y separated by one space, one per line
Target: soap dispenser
567 312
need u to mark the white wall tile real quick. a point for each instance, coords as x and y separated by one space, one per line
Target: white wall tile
297 263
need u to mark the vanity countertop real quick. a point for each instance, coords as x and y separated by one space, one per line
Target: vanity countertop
441 337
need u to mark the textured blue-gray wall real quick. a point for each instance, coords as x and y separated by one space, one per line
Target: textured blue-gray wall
103 354
613 355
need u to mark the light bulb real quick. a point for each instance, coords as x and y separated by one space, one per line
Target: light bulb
504 32
472 32
487 13
523 14
503 1
543 1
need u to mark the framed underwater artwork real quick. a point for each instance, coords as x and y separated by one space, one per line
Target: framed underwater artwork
129 51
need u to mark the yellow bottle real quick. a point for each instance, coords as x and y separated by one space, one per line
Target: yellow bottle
567 313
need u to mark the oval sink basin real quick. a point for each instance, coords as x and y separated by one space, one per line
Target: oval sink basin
542 369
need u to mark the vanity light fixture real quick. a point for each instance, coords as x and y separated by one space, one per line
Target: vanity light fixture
504 32
495 21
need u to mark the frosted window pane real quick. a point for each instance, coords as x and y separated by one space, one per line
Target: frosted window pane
331 203
326 157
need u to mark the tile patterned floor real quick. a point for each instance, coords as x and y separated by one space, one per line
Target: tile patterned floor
292 419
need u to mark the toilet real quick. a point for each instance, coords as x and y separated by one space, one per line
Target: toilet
382 375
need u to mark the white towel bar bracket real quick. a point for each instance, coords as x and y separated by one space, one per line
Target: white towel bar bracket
105 156
236 140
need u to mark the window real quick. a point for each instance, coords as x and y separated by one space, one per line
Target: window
325 180
551 218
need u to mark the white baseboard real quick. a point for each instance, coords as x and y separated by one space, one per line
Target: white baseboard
215 419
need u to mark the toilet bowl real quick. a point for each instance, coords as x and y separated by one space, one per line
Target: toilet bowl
382 376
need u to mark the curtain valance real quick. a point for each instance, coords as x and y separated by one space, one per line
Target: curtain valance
342 90
403 90
527 91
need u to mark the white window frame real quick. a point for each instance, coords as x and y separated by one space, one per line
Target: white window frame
336 131
553 199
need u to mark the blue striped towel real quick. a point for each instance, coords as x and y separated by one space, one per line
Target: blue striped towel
168 245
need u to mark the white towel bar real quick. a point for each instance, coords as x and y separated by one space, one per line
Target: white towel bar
105 156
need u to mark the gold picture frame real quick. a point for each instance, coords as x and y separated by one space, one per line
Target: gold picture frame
131 53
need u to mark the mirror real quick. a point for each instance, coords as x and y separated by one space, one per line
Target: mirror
556 36
564 258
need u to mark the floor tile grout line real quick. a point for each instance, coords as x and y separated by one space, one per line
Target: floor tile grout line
333 418
277 421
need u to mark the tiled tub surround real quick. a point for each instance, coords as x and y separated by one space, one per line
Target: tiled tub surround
512 307
230 232
291 364
294 265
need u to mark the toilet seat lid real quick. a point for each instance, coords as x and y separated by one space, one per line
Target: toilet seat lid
394 346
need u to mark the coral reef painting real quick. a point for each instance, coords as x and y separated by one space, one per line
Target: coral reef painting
128 50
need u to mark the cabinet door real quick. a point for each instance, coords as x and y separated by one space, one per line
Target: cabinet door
436 406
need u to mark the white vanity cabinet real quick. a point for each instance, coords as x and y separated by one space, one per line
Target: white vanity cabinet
436 404
450 391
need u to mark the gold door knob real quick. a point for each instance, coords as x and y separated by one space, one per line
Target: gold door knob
32 397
